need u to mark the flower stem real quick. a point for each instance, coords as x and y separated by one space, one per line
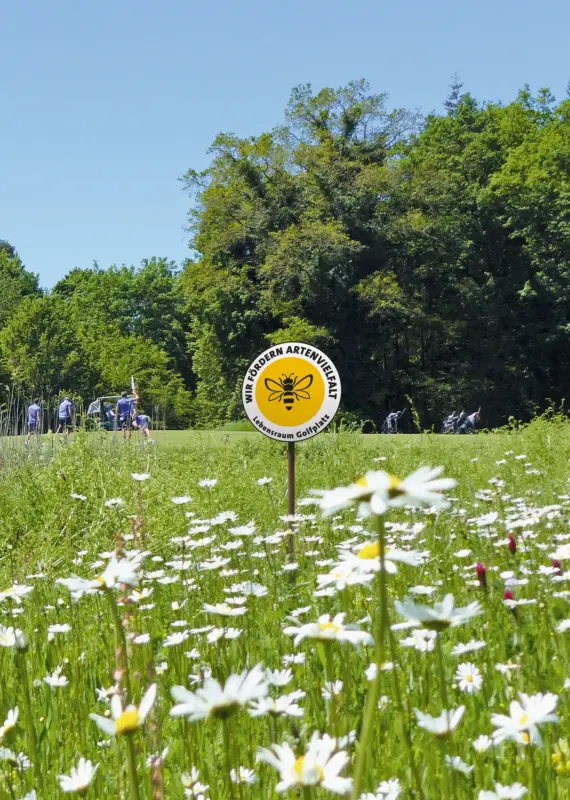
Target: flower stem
31 728
402 711
329 671
132 762
227 749
443 689
374 690
122 640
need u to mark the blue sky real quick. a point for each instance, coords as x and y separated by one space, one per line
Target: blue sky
106 104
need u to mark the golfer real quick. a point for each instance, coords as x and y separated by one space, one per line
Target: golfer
34 418
65 414
142 422
125 412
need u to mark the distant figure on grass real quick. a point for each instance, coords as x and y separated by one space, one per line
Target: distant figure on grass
468 425
34 419
65 415
142 422
125 412
391 422
110 415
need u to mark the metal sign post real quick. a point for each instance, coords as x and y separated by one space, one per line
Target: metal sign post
291 478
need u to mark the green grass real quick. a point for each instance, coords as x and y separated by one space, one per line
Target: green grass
47 534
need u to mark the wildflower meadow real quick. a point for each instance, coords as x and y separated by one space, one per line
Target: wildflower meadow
167 631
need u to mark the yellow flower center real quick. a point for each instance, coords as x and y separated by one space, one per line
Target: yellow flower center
329 626
100 581
128 721
299 769
369 551
299 766
394 486
523 720
469 678
526 738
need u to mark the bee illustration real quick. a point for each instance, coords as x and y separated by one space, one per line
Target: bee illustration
289 388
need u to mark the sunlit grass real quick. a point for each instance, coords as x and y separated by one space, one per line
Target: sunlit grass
228 547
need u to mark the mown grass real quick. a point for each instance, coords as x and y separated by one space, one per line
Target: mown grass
48 534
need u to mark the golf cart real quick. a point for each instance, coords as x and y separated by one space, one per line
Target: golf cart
103 409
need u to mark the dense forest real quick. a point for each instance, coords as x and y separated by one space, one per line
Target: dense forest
430 257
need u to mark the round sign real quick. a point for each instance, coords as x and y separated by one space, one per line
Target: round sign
291 392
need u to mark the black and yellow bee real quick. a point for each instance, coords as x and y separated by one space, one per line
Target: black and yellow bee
288 389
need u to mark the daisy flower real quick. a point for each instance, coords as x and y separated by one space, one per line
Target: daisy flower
224 610
127 720
482 743
443 725
9 723
330 629
513 792
443 615
320 766
13 637
16 592
80 777
367 558
207 483
118 571
456 763
238 691
469 678
285 706
243 775
140 476
522 722
378 490
114 502
468 647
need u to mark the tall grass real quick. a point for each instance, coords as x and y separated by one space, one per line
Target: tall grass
48 532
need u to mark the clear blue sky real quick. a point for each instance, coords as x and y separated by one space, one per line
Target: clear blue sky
105 104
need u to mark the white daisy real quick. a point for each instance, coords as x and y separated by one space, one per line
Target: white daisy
443 615
482 743
16 592
330 629
320 766
524 718
443 725
456 763
127 720
469 678
79 778
238 691
514 792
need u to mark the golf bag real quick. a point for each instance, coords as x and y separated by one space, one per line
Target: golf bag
469 423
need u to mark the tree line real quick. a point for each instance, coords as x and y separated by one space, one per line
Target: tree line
429 257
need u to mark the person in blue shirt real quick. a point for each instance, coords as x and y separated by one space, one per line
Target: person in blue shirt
142 422
34 418
65 415
125 413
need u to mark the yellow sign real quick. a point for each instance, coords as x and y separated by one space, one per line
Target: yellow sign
291 391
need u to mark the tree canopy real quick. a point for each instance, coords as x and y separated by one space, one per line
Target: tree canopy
429 257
